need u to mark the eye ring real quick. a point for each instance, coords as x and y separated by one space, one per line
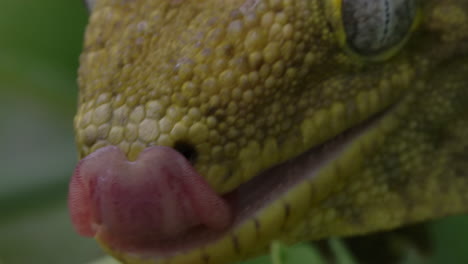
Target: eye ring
373 30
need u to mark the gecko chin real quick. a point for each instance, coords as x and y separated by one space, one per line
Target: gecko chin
158 205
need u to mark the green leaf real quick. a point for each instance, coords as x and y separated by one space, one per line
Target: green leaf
343 256
105 260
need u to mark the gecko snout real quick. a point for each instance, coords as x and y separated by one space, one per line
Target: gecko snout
135 205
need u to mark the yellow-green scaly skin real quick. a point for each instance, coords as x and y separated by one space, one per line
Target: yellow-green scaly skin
251 83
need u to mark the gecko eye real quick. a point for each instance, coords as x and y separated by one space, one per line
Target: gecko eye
89 4
375 28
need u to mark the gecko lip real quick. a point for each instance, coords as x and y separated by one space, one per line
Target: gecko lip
99 196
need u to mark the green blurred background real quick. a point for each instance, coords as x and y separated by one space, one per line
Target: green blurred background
40 42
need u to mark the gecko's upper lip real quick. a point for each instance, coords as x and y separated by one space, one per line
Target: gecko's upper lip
159 205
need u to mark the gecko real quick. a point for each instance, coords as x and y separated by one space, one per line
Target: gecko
208 129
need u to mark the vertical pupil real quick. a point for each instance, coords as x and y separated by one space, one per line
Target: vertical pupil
373 26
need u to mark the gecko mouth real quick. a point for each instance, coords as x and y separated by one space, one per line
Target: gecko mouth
159 206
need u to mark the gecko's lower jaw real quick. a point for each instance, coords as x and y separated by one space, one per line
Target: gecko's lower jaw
159 206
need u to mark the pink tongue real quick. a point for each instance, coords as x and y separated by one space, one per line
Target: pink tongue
137 205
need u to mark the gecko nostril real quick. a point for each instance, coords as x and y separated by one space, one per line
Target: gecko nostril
187 150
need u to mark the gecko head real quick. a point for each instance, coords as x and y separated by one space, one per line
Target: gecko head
209 128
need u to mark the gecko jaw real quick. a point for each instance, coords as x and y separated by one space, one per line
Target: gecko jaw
158 206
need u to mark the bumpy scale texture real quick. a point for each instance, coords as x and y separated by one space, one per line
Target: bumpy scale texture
251 83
